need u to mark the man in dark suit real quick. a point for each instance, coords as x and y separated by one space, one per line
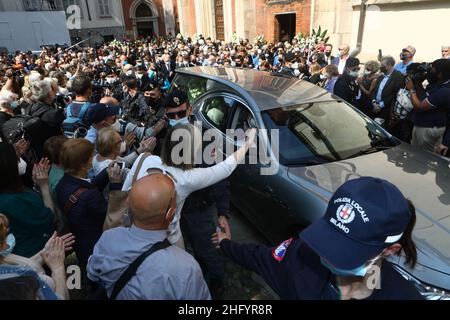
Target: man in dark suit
329 54
346 87
167 67
142 77
386 89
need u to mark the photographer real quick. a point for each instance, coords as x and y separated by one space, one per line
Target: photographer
438 98
44 92
135 108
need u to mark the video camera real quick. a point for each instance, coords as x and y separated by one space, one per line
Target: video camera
62 100
418 71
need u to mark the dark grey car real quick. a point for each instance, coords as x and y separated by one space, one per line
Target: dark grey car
323 142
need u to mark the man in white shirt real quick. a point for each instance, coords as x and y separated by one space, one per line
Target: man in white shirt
344 53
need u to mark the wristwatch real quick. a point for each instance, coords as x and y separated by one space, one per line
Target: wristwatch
412 91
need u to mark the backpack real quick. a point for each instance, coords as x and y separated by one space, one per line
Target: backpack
29 127
403 104
73 126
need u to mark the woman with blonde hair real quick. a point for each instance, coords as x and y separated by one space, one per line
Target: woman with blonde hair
315 71
367 85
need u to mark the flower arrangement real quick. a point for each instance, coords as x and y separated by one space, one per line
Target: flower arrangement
307 42
115 43
260 40
196 37
234 38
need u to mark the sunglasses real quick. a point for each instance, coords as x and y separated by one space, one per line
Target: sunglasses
179 114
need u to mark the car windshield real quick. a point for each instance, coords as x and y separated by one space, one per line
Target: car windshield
324 132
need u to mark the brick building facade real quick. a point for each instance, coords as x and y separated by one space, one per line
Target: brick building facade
277 20
150 17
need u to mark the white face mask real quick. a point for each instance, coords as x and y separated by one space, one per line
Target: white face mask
22 167
354 74
322 77
129 73
111 80
123 147
294 65
116 126
139 76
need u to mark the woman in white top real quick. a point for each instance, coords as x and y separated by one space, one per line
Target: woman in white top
187 178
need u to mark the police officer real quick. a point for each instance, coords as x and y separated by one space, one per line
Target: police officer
343 254
346 87
198 217
154 97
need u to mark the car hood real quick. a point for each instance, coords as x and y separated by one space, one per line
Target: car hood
422 177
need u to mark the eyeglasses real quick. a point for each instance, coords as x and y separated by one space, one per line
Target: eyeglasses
179 114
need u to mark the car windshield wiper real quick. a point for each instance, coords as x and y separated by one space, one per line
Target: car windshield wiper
303 163
370 150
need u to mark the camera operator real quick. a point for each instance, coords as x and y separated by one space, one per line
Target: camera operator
437 98
135 109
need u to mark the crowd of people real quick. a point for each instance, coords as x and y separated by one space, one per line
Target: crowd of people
86 165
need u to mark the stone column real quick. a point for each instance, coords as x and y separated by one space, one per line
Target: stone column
169 16
228 19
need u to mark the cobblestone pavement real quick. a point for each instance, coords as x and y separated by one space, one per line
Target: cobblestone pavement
242 284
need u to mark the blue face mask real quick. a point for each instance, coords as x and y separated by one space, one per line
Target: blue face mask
174 122
360 271
11 243
14 104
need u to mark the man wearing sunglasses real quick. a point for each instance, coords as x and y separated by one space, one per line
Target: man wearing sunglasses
178 108
198 216
406 56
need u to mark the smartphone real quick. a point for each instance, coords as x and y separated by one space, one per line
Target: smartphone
121 164
380 55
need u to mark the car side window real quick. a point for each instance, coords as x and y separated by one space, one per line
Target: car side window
216 110
243 118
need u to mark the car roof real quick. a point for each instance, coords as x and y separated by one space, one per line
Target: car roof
268 90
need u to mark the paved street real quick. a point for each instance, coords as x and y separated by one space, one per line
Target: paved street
242 284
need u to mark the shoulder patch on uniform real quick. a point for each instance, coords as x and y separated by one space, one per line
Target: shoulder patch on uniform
279 252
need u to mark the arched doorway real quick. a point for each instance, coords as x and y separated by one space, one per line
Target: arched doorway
145 18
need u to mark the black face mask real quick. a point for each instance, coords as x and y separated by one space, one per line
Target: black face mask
432 77
151 101
327 53
403 56
383 69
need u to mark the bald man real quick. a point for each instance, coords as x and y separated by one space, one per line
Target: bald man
167 274
344 53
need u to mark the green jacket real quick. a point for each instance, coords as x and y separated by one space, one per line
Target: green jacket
30 221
